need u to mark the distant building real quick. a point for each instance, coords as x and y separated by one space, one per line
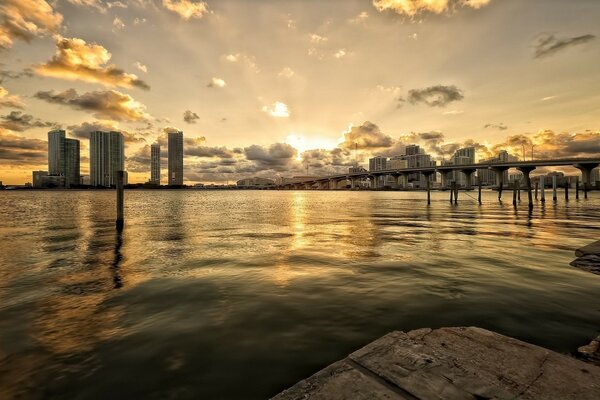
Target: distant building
356 170
397 163
155 164
52 181
107 157
465 156
415 157
488 176
175 150
255 182
63 157
377 163
38 178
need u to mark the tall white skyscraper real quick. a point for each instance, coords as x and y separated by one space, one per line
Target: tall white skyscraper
63 157
155 164
175 158
107 156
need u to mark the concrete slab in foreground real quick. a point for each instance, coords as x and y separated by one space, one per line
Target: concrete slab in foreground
451 363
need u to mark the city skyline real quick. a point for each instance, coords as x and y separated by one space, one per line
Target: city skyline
317 79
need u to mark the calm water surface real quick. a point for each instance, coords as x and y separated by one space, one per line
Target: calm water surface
238 295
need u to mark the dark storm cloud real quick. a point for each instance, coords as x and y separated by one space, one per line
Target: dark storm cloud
435 96
190 117
549 44
366 136
109 104
18 121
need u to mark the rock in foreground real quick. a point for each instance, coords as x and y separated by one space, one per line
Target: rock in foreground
451 363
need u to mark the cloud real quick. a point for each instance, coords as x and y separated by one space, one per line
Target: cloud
453 112
287 73
249 61
26 19
190 117
499 126
118 24
435 96
411 8
547 143
547 98
366 136
207 151
82 131
108 104
276 156
77 60
6 75
18 121
187 9
19 150
549 44
9 100
216 82
277 110
314 38
360 18
340 53
141 66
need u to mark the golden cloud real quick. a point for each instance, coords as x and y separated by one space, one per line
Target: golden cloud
109 104
414 7
26 19
187 9
77 60
10 101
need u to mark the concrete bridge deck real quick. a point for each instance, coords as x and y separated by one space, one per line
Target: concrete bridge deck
451 363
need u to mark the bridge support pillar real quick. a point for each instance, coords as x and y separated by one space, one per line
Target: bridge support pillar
469 177
586 175
500 179
543 187
526 174
447 179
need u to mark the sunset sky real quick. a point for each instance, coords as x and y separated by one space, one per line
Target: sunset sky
263 87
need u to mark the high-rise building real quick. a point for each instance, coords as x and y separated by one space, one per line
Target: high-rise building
70 162
55 147
465 156
175 158
63 157
155 164
107 157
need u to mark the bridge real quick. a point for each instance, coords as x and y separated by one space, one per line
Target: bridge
585 165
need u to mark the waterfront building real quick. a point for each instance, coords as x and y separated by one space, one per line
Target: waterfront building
107 157
155 164
255 182
37 178
55 147
396 163
464 156
63 157
416 157
175 151
378 164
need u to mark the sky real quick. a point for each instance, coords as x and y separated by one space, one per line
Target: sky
270 87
